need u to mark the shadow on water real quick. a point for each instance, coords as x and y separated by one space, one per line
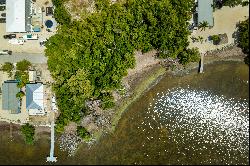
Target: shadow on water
134 142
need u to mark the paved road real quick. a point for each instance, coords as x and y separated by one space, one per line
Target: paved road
16 57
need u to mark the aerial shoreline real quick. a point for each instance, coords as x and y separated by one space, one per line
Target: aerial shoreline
232 53
140 83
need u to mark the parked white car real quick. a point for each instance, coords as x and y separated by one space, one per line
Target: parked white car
16 41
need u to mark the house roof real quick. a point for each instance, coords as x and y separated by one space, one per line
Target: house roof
34 96
17 13
205 11
9 99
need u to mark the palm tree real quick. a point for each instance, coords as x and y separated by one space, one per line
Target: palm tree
203 25
200 38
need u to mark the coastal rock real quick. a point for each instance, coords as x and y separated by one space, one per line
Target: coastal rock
69 142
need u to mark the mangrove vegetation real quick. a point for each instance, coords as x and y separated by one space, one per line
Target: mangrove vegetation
88 57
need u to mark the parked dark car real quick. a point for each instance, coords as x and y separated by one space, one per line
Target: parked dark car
5 52
9 36
2 2
3 14
2 8
2 20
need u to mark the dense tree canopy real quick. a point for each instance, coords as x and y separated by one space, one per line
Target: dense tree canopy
243 38
88 58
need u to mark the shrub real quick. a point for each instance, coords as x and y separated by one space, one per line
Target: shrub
20 94
190 55
7 67
107 100
83 133
28 132
22 77
216 39
23 65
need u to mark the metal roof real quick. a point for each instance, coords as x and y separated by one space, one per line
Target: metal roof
9 99
18 15
205 11
34 96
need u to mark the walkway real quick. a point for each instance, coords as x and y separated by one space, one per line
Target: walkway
51 158
201 64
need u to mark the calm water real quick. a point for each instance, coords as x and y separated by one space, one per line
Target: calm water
195 119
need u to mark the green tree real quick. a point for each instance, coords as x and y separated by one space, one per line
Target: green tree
23 65
83 133
80 86
107 100
189 55
20 94
203 25
216 39
243 38
22 77
88 58
28 132
8 67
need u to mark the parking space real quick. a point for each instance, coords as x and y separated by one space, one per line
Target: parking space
42 12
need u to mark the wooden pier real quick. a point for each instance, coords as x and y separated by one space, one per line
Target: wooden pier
51 158
201 64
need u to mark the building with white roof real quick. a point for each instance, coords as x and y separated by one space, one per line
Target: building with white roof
35 99
18 15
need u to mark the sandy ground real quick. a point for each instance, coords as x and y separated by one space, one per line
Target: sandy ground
20 118
143 63
225 21
30 46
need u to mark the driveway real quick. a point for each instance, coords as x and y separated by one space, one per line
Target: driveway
16 57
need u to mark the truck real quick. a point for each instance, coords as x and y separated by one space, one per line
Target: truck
30 37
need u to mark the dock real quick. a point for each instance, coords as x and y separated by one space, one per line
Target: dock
201 64
52 158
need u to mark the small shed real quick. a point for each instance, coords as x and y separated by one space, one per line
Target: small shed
32 76
49 11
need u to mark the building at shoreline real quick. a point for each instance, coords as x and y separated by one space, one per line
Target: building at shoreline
9 100
204 12
18 15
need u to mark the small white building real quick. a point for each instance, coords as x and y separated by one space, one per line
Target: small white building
18 15
32 76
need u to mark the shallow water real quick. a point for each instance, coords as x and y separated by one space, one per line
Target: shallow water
195 119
